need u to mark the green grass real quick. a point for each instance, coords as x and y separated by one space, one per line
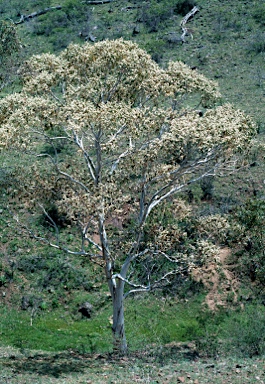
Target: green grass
147 321
59 349
54 332
159 321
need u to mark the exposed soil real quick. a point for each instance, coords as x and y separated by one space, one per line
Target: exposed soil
219 280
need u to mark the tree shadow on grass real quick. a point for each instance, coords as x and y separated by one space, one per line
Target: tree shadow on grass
53 365
66 363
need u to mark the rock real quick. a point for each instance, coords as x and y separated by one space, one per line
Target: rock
181 379
92 38
25 303
86 309
136 30
173 38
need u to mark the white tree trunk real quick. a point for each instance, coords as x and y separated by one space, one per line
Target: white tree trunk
118 330
116 288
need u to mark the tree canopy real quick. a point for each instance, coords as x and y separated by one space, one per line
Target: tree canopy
111 135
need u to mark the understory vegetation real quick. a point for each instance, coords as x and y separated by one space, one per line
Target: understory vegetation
207 323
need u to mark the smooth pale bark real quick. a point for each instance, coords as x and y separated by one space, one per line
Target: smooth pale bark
116 288
118 329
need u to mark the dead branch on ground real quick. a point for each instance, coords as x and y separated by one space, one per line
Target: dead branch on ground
35 14
185 30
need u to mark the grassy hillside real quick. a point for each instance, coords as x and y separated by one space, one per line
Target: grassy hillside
226 44
227 41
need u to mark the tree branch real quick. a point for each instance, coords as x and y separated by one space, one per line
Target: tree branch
145 288
35 14
89 162
52 222
164 193
51 244
122 155
185 20
88 239
114 137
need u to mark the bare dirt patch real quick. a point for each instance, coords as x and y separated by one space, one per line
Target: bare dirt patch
219 280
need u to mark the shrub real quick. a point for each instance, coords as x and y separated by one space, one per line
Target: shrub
219 229
182 7
257 43
156 49
156 12
251 258
258 13
55 273
207 188
245 332
46 24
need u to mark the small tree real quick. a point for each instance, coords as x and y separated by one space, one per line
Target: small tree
110 137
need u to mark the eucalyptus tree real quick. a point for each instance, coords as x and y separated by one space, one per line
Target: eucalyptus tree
132 141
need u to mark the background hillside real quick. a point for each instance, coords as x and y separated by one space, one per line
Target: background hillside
227 41
42 291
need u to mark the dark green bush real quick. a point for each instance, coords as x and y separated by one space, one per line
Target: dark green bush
207 346
156 49
259 13
54 273
152 14
53 216
60 39
257 43
182 7
7 178
46 24
207 187
156 12
251 258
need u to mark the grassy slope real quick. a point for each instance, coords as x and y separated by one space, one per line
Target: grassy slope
225 47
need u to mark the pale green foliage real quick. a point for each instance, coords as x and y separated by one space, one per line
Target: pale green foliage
123 108
219 228
206 251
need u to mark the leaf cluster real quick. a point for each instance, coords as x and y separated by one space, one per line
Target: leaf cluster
130 139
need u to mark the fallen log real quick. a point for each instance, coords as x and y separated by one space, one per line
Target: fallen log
24 18
96 2
185 30
130 7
